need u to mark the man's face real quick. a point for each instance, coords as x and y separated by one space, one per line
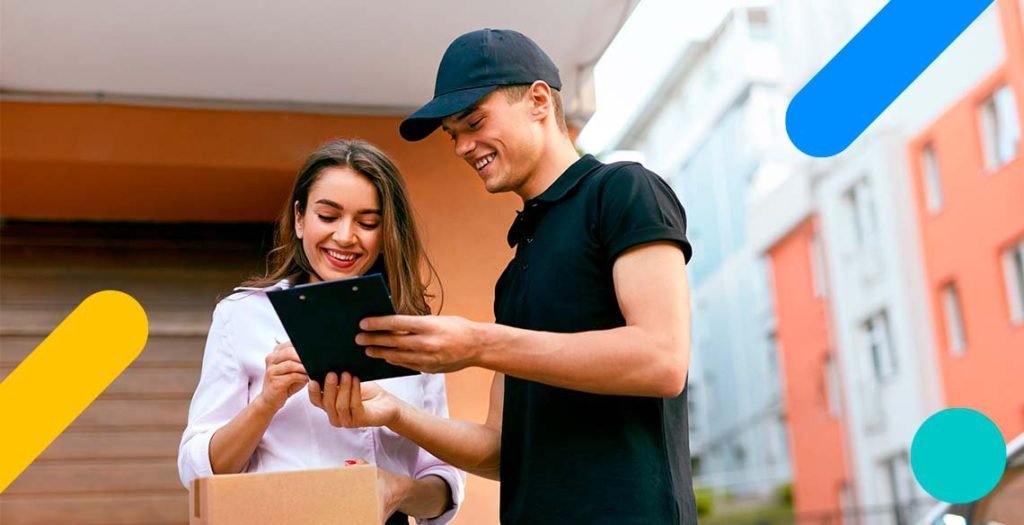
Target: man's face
498 139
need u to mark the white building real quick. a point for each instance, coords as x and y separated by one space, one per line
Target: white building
708 129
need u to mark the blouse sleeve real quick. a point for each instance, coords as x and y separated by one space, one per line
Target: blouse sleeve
222 393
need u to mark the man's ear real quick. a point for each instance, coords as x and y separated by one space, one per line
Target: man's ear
298 220
540 99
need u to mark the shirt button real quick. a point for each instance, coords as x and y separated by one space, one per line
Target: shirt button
529 240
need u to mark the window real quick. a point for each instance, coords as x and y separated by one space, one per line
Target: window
861 206
777 449
1000 128
954 320
883 359
764 286
902 487
772 355
1013 265
818 267
932 180
847 504
739 454
833 392
760 23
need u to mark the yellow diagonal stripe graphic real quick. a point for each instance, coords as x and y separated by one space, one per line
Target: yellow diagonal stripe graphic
65 374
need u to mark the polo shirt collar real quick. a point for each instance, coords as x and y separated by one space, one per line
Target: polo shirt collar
560 189
567 180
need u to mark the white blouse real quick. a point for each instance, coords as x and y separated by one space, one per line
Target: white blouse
300 436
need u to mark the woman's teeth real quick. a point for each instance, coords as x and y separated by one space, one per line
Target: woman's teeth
342 257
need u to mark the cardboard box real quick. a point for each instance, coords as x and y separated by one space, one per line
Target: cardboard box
344 496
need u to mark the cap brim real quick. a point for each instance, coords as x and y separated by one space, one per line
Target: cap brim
426 119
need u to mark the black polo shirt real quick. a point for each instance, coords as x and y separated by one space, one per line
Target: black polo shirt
574 457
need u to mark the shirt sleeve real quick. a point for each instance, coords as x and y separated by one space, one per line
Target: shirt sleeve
638 207
222 393
435 401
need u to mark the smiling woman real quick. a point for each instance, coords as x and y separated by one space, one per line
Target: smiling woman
348 215
349 212
341 237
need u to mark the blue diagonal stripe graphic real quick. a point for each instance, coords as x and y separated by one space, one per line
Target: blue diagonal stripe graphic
878 64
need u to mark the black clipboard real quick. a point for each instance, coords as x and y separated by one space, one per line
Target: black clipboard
322 320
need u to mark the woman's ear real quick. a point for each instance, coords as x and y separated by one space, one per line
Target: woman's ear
298 221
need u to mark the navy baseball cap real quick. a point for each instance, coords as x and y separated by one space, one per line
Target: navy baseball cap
473 66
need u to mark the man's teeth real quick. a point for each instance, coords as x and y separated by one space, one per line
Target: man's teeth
343 257
484 161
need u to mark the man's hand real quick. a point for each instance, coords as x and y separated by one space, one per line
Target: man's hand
392 489
434 344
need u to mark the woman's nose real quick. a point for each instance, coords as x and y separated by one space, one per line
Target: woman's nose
345 233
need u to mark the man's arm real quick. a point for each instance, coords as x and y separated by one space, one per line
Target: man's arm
472 447
647 357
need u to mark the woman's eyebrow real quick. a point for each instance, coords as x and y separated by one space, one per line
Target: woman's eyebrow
339 207
330 203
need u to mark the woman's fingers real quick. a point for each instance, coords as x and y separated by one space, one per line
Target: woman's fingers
356 401
283 352
294 378
286 367
316 396
344 400
330 398
341 398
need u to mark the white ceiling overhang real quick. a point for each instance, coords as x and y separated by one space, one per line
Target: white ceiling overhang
376 57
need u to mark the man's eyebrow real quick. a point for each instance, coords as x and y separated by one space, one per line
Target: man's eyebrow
462 115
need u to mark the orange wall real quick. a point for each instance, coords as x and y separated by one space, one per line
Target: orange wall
982 215
110 162
817 442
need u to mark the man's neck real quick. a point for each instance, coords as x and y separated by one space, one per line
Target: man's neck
550 166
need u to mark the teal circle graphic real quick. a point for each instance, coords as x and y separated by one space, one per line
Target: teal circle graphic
958 455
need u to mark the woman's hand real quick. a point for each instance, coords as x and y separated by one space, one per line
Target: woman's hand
350 404
284 377
391 489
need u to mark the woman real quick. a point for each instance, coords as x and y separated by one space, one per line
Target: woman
348 215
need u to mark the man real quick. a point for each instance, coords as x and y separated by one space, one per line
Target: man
587 419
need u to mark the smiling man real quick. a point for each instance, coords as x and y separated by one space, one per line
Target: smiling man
587 419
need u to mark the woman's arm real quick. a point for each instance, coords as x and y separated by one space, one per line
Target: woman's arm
233 444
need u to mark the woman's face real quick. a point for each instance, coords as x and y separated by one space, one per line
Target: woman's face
341 228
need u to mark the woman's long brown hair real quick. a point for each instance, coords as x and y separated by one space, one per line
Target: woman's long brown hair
402 251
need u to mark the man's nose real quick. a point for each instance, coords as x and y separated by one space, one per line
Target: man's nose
464 146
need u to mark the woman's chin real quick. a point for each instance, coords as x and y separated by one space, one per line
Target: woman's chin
330 273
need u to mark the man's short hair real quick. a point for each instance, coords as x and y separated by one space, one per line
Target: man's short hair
516 93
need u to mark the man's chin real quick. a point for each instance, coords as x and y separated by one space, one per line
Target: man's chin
495 186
